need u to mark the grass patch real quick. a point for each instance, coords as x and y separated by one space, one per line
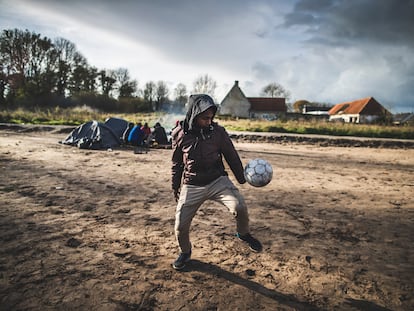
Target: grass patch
70 116
79 115
321 128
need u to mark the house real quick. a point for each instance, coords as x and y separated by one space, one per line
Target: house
236 104
266 107
403 119
365 110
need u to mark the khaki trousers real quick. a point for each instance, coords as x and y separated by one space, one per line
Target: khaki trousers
221 190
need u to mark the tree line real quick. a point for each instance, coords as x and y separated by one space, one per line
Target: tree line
37 71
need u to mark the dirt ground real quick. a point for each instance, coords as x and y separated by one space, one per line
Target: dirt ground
93 230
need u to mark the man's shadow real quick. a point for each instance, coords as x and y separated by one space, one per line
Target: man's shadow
288 300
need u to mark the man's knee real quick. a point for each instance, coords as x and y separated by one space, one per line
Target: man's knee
181 229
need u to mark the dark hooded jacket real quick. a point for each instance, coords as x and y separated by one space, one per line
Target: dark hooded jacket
197 152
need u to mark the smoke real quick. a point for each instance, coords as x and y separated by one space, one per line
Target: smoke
169 120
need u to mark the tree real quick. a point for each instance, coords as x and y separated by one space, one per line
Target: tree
28 63
126 86
36 69
161 94
3 85
107 78
299 104
276 90
149 93
83 79
67 56
204 84
181 96
14 50
43 65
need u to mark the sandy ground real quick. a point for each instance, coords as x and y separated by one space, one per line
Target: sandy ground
93 230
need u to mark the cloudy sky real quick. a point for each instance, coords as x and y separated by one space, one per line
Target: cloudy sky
327 51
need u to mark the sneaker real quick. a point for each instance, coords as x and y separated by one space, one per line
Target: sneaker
254 244
181 261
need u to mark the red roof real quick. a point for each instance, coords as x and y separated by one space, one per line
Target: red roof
269 104
366 105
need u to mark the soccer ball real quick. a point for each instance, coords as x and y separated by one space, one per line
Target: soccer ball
258 172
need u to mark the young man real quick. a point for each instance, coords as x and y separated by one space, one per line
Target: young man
198 173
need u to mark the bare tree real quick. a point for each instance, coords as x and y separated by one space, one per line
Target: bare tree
149 92
161 94
181 96
276 90
205 84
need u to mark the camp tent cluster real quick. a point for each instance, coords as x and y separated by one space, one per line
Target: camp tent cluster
98 135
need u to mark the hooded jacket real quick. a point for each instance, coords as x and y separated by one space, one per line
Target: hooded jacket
198 152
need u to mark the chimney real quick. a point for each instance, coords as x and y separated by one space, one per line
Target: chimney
236 83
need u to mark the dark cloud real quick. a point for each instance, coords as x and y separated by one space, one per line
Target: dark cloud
300 18
340 22
153 19
313 5
186 29
368 44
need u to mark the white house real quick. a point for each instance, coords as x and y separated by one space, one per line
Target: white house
236 104
364 110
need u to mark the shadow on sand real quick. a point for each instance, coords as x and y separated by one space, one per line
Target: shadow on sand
291 301
287 300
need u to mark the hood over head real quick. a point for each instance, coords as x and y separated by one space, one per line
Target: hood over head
197 103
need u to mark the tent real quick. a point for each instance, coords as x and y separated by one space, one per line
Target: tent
117 125
96 135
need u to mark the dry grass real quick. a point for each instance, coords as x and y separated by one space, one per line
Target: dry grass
79 115
321 128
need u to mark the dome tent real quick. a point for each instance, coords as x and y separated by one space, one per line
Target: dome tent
93 135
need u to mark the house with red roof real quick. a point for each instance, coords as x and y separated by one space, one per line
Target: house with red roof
236 104
365 110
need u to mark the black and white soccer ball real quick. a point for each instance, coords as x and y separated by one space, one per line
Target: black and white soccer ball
258 172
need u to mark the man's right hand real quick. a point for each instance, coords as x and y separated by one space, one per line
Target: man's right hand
176 194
